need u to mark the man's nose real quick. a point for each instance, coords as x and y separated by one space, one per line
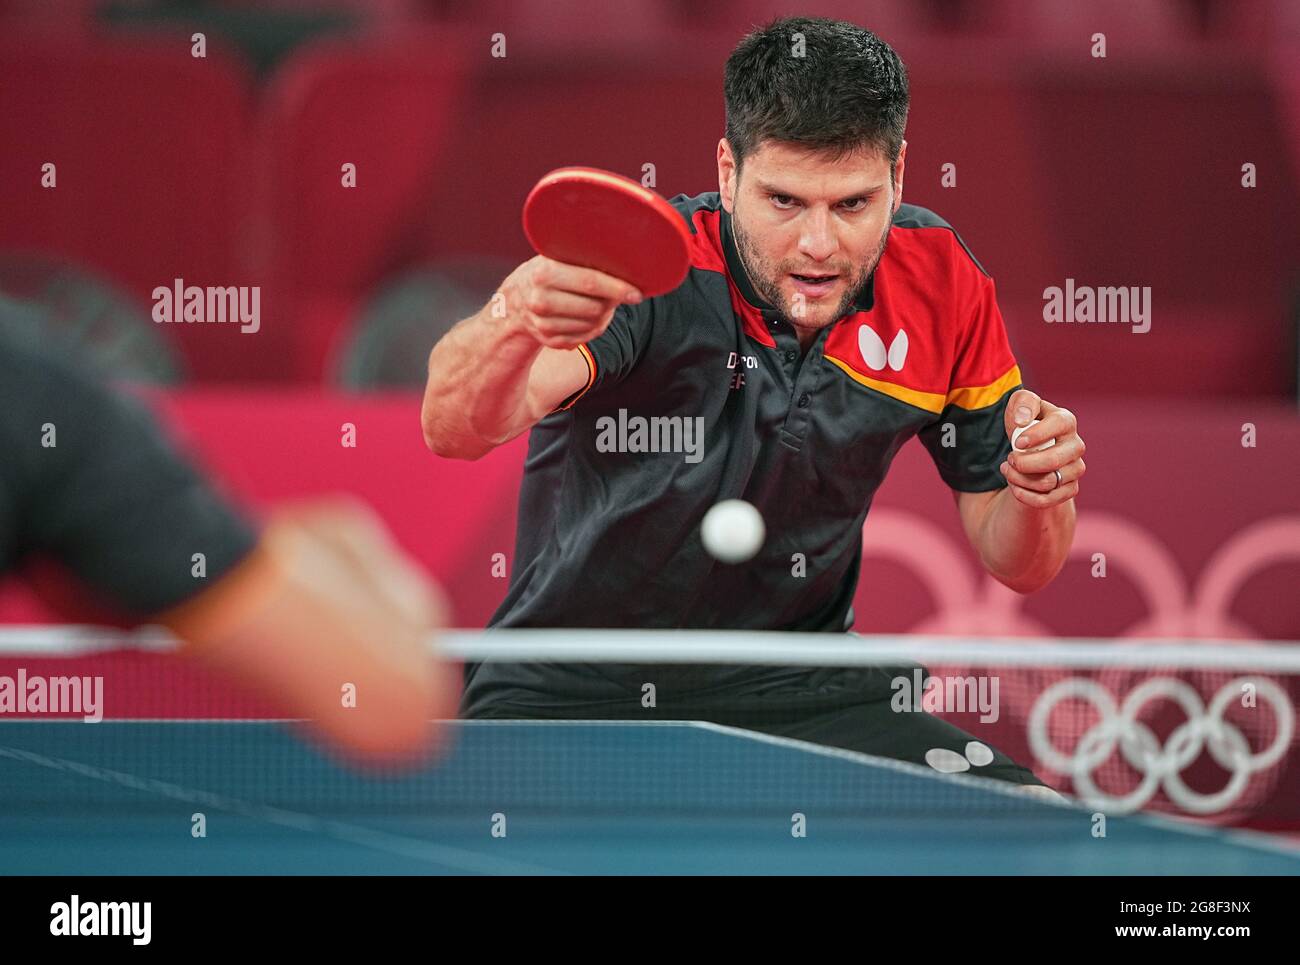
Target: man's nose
817 239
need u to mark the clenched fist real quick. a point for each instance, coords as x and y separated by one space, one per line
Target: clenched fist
563 306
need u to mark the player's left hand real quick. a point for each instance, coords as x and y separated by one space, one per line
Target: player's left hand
1051 477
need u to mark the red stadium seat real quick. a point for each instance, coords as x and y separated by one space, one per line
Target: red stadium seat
385 104
148 145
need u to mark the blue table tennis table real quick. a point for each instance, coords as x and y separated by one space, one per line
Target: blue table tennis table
509 797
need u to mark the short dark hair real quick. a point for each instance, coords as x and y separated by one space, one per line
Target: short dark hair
847 92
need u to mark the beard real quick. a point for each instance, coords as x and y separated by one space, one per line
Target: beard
765 276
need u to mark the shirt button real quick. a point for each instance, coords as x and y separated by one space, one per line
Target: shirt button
790 357
804 400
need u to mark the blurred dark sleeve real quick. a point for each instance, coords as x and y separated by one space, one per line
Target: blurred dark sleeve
87 478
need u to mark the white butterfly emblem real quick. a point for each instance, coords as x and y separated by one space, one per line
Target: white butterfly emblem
873 349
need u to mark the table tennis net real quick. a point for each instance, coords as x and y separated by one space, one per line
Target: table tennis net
1204 730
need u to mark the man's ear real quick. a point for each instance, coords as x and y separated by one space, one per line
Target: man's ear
726 175
898 176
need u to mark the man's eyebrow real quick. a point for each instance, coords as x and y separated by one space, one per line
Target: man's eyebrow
766 187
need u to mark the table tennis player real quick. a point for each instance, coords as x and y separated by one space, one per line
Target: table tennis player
316 599
823 323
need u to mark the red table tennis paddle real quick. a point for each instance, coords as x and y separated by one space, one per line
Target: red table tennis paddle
601 220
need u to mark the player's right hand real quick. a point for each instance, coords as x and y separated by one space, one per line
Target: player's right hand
563 306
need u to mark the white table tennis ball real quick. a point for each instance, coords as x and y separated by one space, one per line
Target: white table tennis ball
732 531
1016 435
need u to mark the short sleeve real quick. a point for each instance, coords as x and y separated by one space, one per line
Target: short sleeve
615 352
91 481
968 441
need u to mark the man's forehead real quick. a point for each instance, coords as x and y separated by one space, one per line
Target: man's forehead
782 162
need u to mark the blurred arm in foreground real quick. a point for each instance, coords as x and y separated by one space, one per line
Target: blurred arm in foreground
318 610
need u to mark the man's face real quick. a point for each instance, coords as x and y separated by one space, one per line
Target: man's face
810 231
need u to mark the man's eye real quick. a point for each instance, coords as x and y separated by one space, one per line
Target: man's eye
783 200
856 204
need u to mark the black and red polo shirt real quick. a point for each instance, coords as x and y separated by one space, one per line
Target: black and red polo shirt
111 500
610 536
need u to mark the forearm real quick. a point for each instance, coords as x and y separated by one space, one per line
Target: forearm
477 390
496 374
1022 546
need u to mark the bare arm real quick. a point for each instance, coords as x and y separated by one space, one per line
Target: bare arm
1024 531
499 372
1022 547
327 600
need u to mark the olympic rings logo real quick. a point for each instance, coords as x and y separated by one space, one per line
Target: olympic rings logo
969 602
1160 765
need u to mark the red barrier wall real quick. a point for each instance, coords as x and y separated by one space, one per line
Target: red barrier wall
1201 536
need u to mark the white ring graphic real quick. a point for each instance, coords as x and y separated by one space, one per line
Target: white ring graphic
1118 727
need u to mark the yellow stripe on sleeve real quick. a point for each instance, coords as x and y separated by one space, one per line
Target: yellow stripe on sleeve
929 401
979 396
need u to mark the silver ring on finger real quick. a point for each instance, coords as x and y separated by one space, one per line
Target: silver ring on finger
1059 480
